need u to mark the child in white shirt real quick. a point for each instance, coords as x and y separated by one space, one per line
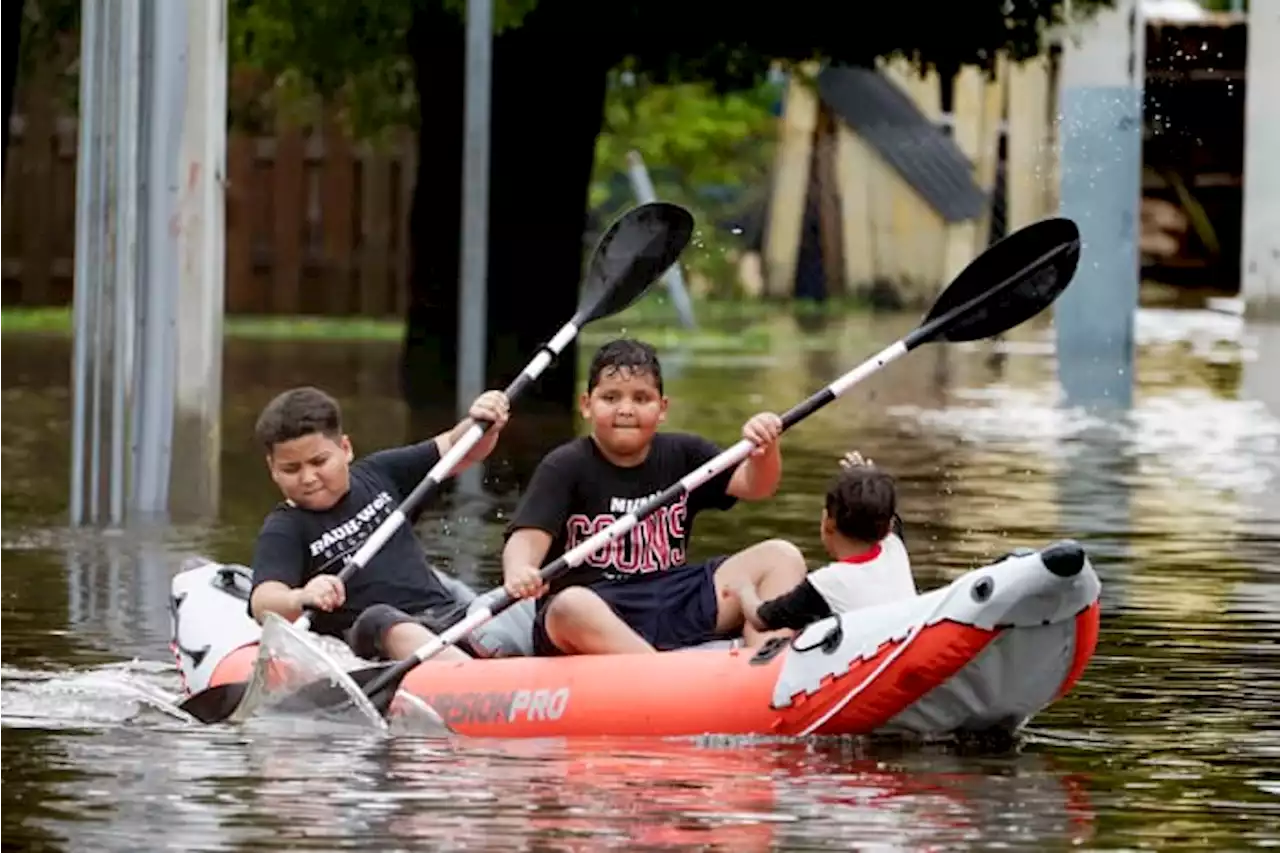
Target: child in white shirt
862 534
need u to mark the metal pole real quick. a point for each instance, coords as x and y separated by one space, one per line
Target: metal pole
126 245
164 70
200 217
673 278
1260 231
86 281
473 287
106 226
473 302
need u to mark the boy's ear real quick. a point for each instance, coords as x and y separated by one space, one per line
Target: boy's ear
584 405
662 408
828 523
348 449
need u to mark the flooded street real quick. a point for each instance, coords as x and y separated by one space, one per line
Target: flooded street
1170 741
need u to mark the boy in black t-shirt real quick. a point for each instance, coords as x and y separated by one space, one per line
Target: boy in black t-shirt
638 594
331 507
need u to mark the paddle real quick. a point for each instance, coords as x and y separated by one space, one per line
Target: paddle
1030 267
637 248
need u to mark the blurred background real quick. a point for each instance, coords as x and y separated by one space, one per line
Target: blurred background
239 196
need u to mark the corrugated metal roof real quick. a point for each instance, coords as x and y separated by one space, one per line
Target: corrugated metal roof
922 153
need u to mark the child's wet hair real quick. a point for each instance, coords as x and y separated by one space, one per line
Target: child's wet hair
298 412
636 357
862 501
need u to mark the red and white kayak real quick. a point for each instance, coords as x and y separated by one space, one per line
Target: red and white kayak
987 651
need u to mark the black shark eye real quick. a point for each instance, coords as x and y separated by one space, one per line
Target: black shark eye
982 589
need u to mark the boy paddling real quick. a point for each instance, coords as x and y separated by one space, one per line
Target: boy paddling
639 594
331 505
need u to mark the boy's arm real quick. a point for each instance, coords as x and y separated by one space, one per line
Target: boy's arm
526 546
800 607
406 466
489 406
275 597
324 592
540 515
521 561
758 475
749 600
277 571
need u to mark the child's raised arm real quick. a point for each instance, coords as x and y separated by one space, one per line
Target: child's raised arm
795 609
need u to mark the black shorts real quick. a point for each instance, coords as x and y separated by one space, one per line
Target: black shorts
366 634
671 610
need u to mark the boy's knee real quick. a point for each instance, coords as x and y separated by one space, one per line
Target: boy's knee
782 555
573 605
370 629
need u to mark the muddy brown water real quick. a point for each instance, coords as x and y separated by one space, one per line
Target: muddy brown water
1171 740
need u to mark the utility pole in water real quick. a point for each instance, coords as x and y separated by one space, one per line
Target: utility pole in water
473 285
1100 120
1260 256
147 355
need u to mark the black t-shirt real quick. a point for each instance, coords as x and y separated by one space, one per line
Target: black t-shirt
296 544
576 492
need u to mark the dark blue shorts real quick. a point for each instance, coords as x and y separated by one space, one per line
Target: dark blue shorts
671 610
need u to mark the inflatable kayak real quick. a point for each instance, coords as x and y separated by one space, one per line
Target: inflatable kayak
985 652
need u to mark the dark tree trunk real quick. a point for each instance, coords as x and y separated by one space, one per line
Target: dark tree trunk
547 108
12 44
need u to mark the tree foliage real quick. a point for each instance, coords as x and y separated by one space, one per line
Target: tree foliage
708 151
690 87
288 54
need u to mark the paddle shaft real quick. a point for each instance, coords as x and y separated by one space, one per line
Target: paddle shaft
494 602
444 468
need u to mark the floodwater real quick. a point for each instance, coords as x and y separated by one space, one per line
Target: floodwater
1171 740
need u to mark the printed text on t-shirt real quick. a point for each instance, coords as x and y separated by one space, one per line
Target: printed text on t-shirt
363 521
655 544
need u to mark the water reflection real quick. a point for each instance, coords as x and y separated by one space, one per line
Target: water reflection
275 787
1170 738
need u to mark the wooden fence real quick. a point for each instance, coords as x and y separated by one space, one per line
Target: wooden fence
315 224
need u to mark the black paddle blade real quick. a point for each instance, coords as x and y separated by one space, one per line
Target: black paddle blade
215 704
323 698
1008 284
324 695
638 248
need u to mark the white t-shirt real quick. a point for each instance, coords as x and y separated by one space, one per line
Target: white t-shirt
873 577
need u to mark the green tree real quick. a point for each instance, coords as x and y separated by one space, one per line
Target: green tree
708 151
392 61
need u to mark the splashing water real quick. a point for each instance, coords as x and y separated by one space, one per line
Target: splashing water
308 675
109 695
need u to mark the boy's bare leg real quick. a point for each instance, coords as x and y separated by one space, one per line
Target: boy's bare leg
402 639
773 567
579 622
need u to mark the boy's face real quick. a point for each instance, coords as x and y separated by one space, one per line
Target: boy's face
312 470
625 409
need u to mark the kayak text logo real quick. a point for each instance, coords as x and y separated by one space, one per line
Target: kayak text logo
507 706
